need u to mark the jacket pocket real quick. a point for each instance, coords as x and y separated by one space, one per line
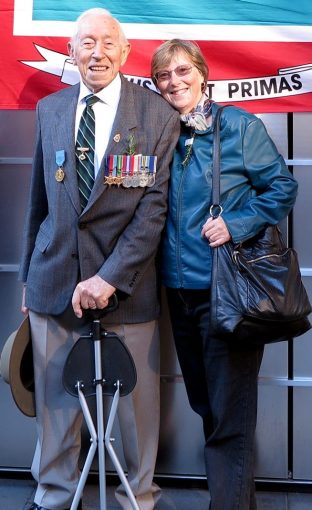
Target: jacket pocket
42 241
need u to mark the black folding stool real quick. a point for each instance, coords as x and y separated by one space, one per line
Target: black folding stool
105 368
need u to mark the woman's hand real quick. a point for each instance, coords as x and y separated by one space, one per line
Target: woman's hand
216 232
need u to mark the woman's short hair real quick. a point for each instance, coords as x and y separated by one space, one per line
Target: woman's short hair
164 53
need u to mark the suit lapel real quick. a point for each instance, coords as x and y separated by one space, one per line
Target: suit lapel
64 136
125 121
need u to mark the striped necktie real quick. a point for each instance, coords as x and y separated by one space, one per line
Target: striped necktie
85 151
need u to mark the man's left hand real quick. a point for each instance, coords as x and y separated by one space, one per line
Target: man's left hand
91 294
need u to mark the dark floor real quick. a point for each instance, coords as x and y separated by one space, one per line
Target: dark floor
17 494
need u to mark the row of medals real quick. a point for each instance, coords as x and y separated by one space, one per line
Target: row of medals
137 180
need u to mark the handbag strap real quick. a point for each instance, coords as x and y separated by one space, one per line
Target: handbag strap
215 208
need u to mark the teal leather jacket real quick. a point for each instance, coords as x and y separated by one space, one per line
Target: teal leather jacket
257 189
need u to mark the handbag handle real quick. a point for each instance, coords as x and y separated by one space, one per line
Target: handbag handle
216 208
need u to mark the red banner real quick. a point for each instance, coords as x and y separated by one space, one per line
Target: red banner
259 76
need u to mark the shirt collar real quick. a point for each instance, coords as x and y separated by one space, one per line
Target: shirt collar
109 95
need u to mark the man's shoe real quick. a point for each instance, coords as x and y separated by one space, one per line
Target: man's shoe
34 506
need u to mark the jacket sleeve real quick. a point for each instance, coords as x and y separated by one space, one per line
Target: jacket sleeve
137 245
37 204
272 189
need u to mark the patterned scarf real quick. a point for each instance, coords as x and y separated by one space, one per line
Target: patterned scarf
199 118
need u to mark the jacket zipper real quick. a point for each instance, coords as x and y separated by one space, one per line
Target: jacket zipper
178 240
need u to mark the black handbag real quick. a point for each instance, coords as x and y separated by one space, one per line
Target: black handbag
257 294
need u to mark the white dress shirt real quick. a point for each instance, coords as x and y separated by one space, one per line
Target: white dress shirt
104 111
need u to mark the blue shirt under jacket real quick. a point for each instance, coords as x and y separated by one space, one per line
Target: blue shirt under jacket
257 189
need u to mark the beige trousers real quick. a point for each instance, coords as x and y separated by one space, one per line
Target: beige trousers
59 419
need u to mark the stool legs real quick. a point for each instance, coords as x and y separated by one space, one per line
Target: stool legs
111 450
99 440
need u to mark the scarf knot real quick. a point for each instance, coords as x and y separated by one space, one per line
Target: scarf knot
199 117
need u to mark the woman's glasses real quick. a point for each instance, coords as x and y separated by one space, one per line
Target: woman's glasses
180 71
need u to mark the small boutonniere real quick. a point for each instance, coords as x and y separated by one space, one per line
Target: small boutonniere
189 148
131 147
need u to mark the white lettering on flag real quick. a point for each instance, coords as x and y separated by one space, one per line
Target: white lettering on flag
288 82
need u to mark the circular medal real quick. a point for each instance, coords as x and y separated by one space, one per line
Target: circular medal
135 181
151 180
126 182
59 174
143 180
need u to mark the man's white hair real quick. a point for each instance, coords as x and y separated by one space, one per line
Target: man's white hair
96 11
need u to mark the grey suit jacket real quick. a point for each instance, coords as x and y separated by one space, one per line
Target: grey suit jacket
118 233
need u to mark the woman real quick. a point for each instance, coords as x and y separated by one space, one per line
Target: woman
256 190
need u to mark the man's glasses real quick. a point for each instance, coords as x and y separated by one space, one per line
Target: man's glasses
180 71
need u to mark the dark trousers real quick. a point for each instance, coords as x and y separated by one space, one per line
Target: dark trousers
221 384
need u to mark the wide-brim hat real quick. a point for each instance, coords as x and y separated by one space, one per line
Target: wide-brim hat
17 368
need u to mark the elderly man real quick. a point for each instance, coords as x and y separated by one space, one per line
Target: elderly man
93 229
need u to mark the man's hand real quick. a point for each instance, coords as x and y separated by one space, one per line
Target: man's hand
92 293
216 231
